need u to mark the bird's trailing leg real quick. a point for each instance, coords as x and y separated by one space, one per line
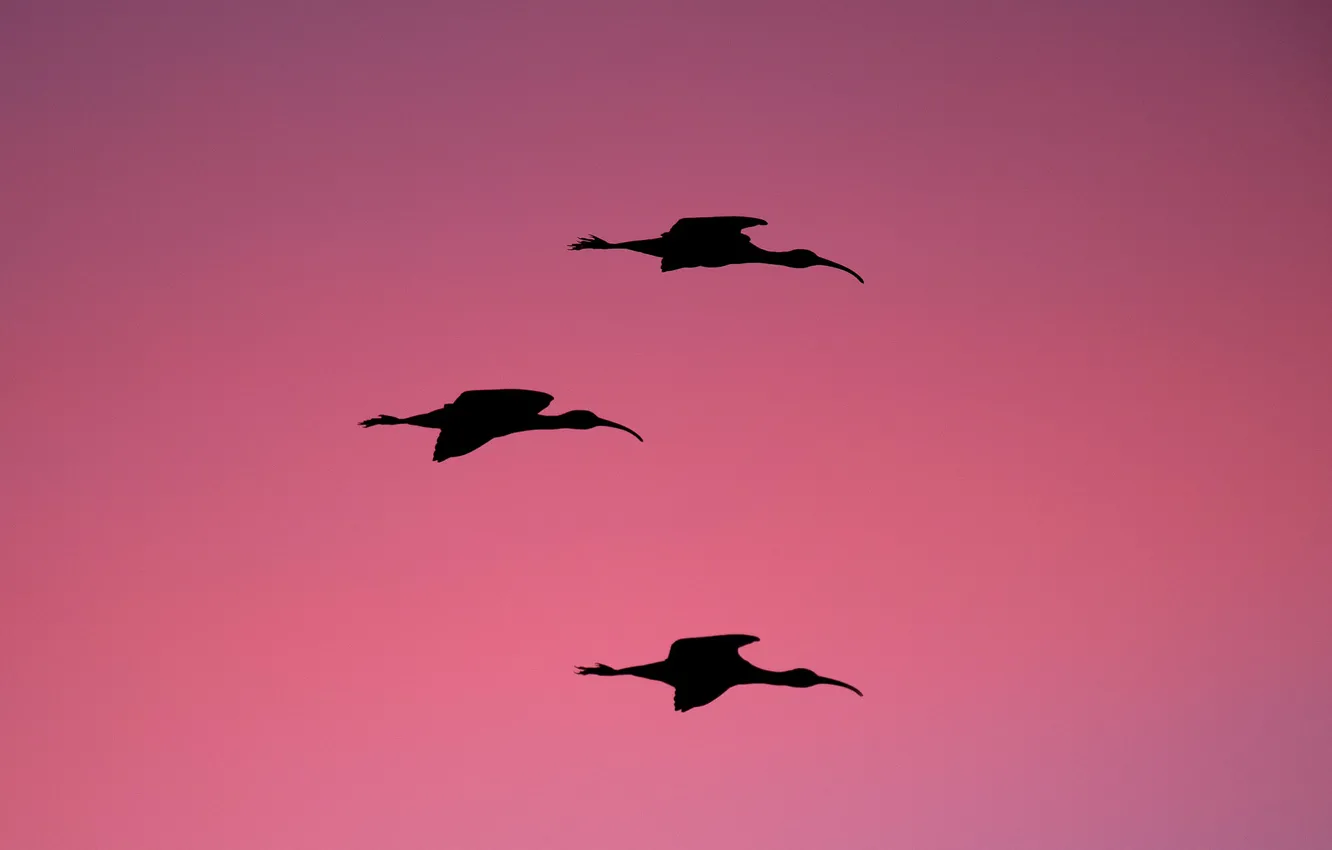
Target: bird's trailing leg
651 247
599 670
590 242
382 419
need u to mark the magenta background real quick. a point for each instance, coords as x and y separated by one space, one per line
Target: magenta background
1052 488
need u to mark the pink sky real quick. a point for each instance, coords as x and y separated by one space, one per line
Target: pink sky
1051 488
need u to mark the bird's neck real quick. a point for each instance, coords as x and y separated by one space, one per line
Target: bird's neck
542 422
780 258
751 253
759 676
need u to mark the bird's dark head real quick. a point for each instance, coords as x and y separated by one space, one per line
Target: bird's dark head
582 420
803 258
802 678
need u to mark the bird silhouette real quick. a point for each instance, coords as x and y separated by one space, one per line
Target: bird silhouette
478 416
703 668
712 242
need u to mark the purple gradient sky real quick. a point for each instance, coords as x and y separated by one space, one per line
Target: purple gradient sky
1051 488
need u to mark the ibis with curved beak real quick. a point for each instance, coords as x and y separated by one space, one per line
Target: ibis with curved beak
703 668
478 416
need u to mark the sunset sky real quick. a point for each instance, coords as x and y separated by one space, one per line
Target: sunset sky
1051 488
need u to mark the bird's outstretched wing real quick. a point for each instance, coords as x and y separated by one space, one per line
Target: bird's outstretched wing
713 227
455 441
497 402
711 647
695 695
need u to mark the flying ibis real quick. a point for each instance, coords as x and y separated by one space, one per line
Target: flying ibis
712 242
478 416
703 668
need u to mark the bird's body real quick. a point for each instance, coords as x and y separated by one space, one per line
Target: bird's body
701 669
478 416
712 242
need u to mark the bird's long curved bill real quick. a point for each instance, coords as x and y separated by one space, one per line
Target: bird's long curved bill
824 680
610 424
824 262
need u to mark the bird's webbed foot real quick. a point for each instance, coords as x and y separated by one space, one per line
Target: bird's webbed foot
589 242
599 670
